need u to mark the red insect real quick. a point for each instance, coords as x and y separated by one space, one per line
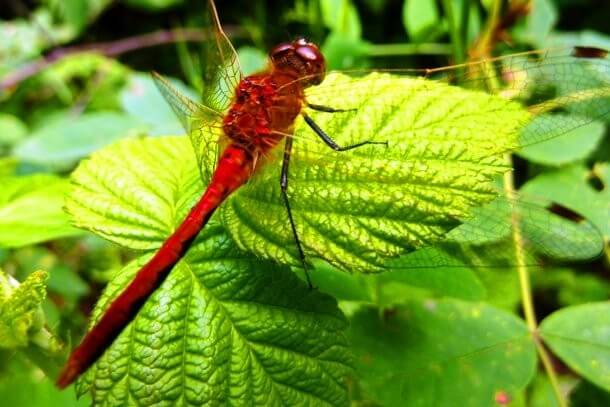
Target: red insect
262 114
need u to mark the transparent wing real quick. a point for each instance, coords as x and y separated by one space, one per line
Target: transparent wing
423 215
222 72
574 81
512 231
202 123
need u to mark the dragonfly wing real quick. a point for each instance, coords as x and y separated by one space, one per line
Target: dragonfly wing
512 231
222 71
565 81
446 146
202 123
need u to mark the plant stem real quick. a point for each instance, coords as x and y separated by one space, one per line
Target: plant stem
454 33
109 49
526 295
378 50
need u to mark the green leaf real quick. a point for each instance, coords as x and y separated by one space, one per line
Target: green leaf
420 18
444 281
577 144
224 328
11 131
440 161
541 20
18 375
441 353
341 16
20 312
580 336
31 210
153 5
581 196
116 196
141 99
61 143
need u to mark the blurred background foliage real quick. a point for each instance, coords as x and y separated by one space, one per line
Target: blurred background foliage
74 78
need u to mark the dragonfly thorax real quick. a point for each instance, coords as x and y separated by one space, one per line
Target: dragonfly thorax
264 109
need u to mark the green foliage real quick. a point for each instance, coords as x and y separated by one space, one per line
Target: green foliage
204 324
20 313
233 324
23 197
441 353
579 336
62 142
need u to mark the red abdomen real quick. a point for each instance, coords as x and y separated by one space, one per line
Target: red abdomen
264 110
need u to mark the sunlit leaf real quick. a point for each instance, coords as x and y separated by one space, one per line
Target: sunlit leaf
31 210
198 339
355 208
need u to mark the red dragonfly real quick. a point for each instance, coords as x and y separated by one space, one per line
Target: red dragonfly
258 112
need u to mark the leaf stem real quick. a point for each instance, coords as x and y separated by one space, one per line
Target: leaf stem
454 33
526 295
378 50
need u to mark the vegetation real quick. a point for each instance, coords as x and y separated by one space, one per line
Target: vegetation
95 172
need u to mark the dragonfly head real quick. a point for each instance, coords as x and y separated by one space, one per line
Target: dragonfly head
301 58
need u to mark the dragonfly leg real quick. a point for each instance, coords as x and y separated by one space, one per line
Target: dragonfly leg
330 142
284 189
327 109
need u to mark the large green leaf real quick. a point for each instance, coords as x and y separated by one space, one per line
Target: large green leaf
441 353
357 208
64 141
580 336
224 328
31 210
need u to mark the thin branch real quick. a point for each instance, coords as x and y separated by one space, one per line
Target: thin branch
109 49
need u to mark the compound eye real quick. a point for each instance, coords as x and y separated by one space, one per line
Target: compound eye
280 49
307 53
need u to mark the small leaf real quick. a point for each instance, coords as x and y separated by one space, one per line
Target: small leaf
541 20
420 18
20 308
580 336
60 144
31 210
575 145
441 353
12 130
342 18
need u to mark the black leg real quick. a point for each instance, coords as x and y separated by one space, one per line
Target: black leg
330 142
284 188
328 109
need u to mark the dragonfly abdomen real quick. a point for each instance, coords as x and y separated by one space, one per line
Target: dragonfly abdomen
234 168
